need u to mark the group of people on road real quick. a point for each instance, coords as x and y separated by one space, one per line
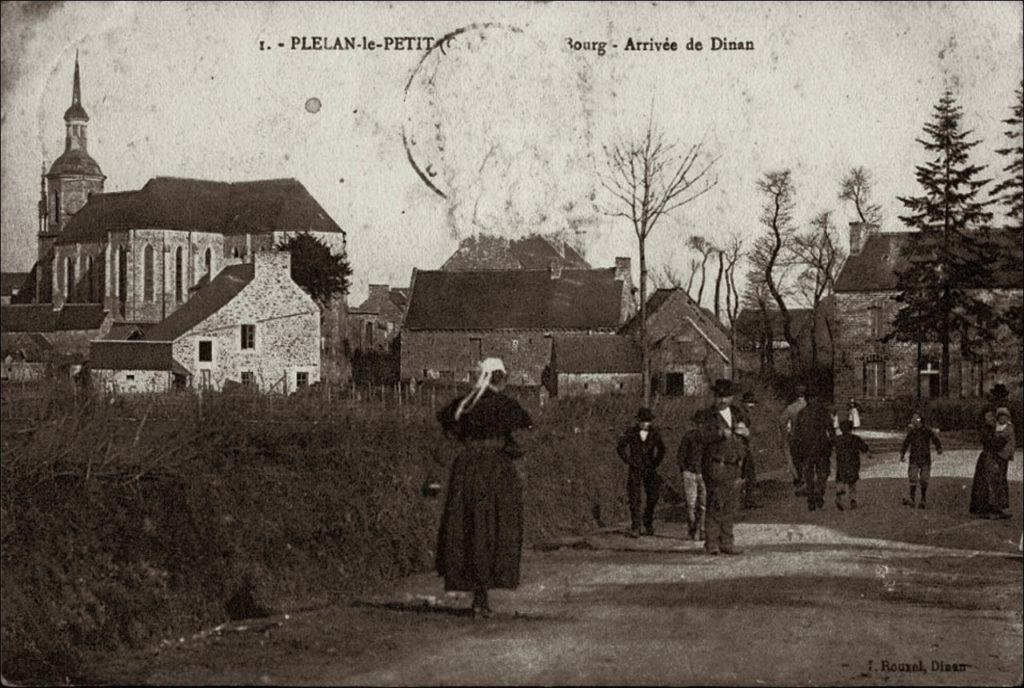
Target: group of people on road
481 532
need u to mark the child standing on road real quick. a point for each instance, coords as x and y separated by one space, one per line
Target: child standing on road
849 447
919 440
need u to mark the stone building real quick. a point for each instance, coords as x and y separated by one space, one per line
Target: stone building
689 346
251 324
869 367
142 255
583 366
375 323
535 252
456 318
38 341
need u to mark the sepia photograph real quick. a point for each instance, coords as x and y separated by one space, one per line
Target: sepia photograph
511 343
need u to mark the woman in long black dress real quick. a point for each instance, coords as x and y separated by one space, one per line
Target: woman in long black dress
481 534
981 486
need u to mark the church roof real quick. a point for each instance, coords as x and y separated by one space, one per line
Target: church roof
515 299
204 303
74 161
76 111
199 205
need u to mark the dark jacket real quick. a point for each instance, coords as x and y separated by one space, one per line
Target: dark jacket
919 441
813 432
719 441
640 455
691 452
849 447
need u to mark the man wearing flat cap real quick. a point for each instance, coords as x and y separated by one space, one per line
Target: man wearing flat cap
724 434
642 449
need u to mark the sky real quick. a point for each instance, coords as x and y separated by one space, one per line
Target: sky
504 131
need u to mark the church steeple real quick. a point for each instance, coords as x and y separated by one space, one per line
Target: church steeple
75 117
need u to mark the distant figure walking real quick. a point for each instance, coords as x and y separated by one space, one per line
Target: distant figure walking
481 535
918 442
813 438
849 448
987 492
786 430
853 414
641 448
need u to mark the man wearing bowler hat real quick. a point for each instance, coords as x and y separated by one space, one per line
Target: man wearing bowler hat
642 449
724 434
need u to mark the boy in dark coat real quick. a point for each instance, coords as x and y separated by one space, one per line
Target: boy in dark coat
642 449
849 447
919 440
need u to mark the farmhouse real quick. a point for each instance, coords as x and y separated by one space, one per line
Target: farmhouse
251 324
594 365
690 348
455 318
869 367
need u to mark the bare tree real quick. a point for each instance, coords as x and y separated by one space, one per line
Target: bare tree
855 187
650 177
819 260
694 266
777 217
667 277
706 249
718 283
731 255
756 297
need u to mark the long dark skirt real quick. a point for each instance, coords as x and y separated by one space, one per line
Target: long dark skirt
990 490
481 536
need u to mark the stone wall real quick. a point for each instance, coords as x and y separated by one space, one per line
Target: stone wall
132 381
453 356
287 322
582 384
73 191
861 352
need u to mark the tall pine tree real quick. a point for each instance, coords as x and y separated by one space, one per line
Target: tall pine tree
950 256
1010 193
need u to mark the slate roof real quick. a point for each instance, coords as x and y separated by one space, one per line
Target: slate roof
875 267
42 318
133 355
31 347
515 299
11 281
202 206
711 327
595 354
534 252
74 161
204 303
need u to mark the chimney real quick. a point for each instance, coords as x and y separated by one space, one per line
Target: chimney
623 270
859 233
555 269
266 263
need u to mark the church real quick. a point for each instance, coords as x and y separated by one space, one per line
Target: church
141 255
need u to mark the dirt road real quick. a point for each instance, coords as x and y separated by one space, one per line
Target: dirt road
880 595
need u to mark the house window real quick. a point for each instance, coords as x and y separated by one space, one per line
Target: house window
874 379
179 274
129 376
248 336
204 379
301 379
147 273
877 323
205 351
476 348
248 379
368 334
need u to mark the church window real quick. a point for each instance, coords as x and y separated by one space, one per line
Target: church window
69 277
122 273
147 273
209 263
56 208
91 278
178 274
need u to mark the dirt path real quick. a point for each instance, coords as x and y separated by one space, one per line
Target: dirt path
861 597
